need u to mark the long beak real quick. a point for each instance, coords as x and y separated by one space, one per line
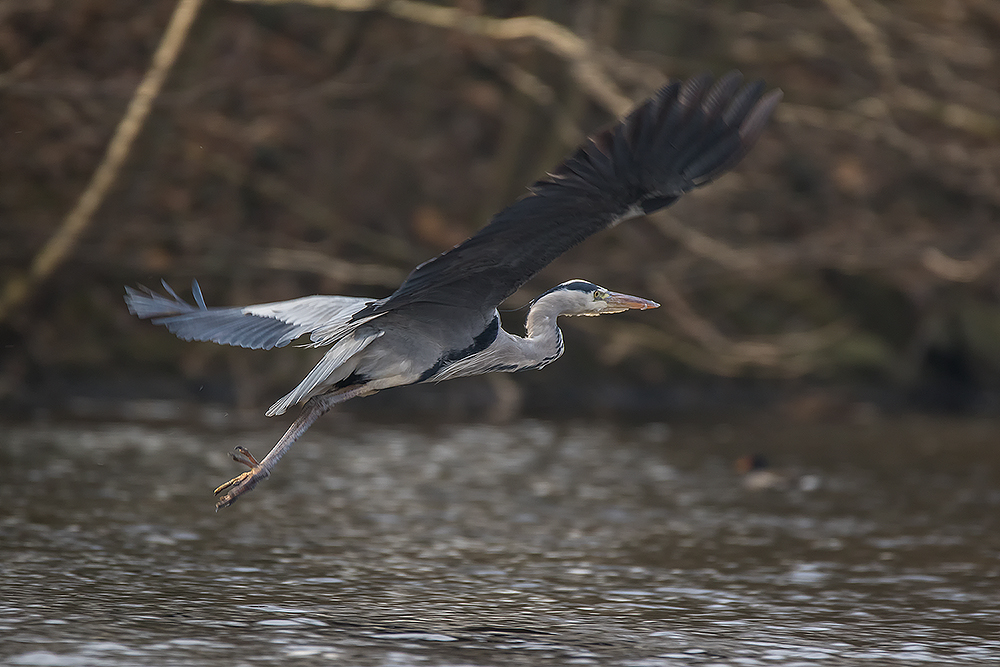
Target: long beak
627 302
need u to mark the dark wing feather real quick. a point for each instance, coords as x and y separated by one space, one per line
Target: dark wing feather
681 138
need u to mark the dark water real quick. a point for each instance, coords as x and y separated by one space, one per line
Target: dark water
530 544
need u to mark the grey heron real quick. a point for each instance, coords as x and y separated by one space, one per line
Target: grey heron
443 322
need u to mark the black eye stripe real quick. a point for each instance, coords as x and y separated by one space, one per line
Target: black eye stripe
577 285
571 285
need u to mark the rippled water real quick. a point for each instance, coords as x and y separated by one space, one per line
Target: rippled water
532 544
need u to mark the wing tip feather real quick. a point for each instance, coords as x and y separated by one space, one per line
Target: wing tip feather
683 136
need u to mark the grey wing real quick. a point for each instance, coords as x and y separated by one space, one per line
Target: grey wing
261 326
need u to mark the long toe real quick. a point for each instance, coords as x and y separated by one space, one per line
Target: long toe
239 485
242 455
233 482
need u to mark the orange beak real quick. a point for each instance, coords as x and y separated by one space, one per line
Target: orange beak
626 302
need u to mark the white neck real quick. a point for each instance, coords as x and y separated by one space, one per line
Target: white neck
544 341
509 353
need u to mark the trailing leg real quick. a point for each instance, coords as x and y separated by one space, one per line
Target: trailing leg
314 408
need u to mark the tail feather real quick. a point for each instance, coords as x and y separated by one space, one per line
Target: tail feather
322 371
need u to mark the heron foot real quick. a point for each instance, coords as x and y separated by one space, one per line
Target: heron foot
242 483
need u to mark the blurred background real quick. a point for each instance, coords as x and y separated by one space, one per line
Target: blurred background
848 266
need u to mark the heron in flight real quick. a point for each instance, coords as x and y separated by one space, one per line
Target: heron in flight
442 322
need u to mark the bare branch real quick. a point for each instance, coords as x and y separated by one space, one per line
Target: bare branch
789 354
869 34
705 246
554 37
342 271
946 112
309 209
960 270
61 243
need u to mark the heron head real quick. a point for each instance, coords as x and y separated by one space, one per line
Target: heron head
581 297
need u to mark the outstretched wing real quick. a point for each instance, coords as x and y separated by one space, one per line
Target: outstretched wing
681 138
261 326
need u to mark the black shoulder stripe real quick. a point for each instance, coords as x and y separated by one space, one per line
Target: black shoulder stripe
479 343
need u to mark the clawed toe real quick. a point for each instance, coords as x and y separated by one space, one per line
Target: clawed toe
242 483
242 455
239 485
235 481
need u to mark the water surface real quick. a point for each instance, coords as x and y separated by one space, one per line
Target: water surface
526 544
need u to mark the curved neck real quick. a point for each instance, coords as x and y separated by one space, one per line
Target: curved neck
541 319
543 334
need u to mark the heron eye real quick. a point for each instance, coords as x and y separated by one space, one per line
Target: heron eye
600 295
